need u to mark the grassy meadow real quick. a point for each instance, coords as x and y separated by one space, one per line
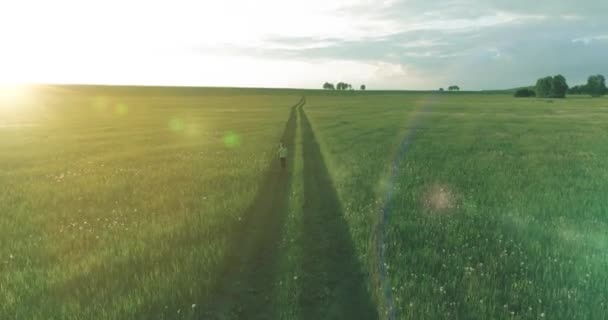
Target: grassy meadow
167 203
119 204
498 206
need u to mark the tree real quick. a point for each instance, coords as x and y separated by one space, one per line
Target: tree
596 85
543 87
328 86
524 93
558 87
454 88
551 87
343 86
580 89
441 90
362 87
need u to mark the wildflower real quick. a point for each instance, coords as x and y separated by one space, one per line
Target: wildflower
542 315
193 305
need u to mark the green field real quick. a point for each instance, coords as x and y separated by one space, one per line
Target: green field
165 203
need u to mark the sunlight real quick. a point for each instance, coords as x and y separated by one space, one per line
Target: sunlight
12 95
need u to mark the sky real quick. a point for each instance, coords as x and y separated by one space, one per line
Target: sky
390 44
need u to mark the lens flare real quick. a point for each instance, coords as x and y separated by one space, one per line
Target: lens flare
122 109
232 140
176 124
439 198
11 96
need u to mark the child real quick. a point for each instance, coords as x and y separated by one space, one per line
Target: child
282 155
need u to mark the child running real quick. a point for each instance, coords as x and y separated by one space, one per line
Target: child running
282 155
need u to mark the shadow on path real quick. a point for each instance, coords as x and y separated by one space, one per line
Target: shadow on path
245 287
333 284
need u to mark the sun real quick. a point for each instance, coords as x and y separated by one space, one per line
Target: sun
12 95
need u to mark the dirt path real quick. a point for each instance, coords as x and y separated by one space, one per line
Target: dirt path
245 288
333 285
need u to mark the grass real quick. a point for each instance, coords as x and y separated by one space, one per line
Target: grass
522 232
247 282
119 205
333 283
163 203
288 287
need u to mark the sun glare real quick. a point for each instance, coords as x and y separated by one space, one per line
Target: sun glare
12 95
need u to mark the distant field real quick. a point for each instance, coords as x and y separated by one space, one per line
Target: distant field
169 203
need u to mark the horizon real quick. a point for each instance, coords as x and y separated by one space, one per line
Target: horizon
394 45
27 86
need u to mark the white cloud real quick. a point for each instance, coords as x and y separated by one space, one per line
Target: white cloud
569 17
449 24
424 43
589 39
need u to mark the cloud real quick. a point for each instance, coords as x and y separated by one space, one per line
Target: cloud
478 44
589 39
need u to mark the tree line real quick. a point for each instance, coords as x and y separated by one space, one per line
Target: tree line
595 87
557 87
450 88
341 86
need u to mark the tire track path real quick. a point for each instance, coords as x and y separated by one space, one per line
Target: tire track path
333 284
245 287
